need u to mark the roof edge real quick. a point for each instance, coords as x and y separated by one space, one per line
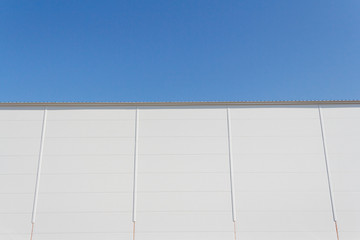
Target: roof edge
232 103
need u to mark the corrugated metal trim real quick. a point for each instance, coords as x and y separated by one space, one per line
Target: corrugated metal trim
74 104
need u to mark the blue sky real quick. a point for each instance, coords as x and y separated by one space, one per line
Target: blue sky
188 50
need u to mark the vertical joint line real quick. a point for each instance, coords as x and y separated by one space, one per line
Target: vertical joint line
134 230
32 231
337 230
231 165
135 166
37 185
235 230
323 138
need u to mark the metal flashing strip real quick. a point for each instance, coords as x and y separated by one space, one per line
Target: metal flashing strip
195 103
37 185
323 138
135 169
231 169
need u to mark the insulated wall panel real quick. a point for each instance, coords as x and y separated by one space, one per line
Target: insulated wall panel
343 138
280 177
183 175
20 131
86 177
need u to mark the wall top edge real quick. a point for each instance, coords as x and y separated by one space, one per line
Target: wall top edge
79 104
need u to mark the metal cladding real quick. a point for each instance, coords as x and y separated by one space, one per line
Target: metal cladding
226 170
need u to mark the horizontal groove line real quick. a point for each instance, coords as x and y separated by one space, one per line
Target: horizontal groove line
224 120
175 154
52 233
118 192
17 120
116 212
243 231
180 191
118 154
212 231
167 119
170 154
149 173
129 232
50 193
180 211
92 120
167 136
142 137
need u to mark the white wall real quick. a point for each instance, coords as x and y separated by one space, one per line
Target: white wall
343 138
19 146
281 182
183 180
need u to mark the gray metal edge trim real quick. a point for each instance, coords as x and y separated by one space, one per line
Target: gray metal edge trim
83 104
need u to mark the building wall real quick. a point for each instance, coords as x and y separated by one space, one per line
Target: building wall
183 174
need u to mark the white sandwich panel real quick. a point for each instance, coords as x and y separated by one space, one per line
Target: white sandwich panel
86 177
183 128
268 145
19 164
282 127
278 162
280 174
183 183
86 164
183 163
180 235
193 182
88 146
19 147
27 114
183 113
182 145
339 111
123 128
84 235
11 129
186 201
342 137
119 182
183 175
275 112
184 222
84 114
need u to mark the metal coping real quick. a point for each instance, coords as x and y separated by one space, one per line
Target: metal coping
230 103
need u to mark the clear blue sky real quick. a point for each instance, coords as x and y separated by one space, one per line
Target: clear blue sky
187 50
